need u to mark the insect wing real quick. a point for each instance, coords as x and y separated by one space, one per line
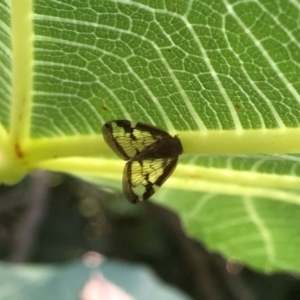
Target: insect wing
127 138
141 179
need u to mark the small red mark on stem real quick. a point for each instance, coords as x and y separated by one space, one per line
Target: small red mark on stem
19 151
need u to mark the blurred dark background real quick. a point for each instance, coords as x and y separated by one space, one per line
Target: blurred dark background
52 218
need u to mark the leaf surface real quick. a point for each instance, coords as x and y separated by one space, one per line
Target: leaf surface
223 75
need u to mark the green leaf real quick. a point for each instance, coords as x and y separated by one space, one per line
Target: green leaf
222 75
34 282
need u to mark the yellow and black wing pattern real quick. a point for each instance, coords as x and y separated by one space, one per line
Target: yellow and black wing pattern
151 154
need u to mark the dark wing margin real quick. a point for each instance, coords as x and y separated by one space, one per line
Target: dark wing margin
127 138
141 179
115 138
